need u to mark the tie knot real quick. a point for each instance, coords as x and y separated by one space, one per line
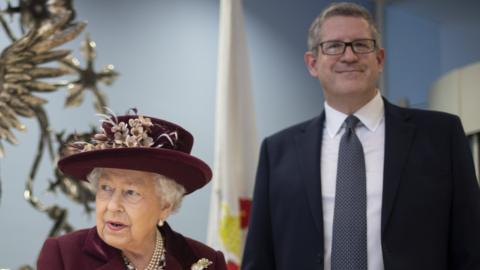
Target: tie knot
351 122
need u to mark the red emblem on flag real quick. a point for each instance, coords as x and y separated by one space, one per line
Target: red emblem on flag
245 205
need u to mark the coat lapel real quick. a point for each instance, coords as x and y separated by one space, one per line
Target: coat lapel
399 134
179 254
98 249
113 264
308 143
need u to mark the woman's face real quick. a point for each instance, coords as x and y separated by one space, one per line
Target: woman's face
128 208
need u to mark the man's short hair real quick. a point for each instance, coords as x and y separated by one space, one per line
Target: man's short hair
339 9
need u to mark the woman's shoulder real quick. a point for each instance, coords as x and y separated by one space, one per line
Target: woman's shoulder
62 251
199 247
212 257
175 239
188 251
75 237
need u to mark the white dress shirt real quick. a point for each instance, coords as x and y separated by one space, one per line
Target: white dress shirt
371 132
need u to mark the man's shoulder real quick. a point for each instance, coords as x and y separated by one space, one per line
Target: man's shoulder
424 117
295 129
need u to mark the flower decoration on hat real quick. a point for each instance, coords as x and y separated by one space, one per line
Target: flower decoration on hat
137 142
126 132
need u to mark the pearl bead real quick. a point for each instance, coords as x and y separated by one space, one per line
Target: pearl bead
157 262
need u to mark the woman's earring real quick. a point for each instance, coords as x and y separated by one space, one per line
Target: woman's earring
160 223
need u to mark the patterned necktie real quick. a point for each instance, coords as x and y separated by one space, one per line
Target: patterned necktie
349 239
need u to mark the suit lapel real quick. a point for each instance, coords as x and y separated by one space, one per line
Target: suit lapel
398 140
399 134
308 143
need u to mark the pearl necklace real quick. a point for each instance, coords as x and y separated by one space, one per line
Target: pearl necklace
157 262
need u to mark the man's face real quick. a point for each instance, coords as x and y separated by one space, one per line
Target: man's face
348 75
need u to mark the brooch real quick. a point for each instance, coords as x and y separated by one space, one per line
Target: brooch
201 264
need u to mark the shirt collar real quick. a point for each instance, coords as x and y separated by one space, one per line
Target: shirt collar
370 116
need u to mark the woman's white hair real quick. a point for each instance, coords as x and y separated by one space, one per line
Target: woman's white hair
170 192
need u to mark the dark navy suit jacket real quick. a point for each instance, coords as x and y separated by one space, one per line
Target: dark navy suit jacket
430 206
84 250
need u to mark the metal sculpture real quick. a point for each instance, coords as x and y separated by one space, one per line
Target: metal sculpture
46 25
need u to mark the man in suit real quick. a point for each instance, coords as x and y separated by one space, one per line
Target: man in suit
410 201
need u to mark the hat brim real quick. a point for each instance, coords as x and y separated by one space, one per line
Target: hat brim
186 170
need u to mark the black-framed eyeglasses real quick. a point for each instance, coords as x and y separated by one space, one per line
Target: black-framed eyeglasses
337 47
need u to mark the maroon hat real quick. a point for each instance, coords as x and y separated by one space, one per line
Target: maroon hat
139 143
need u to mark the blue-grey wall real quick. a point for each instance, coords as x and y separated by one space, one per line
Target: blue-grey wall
412 55
424 40
166 52
460 39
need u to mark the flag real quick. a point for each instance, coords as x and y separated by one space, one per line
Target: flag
235 156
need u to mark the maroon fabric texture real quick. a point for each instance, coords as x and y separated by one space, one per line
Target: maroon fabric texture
84 249
189 171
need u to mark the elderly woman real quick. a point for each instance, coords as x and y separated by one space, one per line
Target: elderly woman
141 168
